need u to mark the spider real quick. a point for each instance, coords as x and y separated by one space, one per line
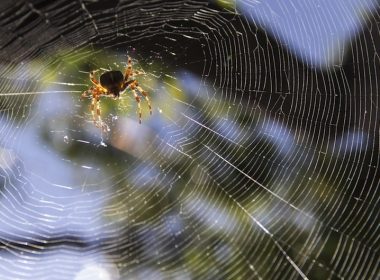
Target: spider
112 83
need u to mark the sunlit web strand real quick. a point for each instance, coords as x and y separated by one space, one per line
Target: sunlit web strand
38 92
266 231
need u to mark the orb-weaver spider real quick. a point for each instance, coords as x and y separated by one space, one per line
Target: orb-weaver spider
113 83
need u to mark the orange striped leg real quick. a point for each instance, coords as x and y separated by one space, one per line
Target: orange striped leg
128 70
93 79
145 94
84 95
138 104
93 105
95 112
98 113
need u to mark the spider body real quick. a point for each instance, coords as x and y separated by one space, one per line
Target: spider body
113 83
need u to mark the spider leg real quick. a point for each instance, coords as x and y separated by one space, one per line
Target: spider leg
138 104
96 92
96 113
134 86
84 94
100 124
145 94
126 84
93 79
96 82
95 105
128 70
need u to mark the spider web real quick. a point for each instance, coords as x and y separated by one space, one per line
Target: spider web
260 161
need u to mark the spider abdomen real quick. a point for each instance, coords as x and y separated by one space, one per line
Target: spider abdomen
112 81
